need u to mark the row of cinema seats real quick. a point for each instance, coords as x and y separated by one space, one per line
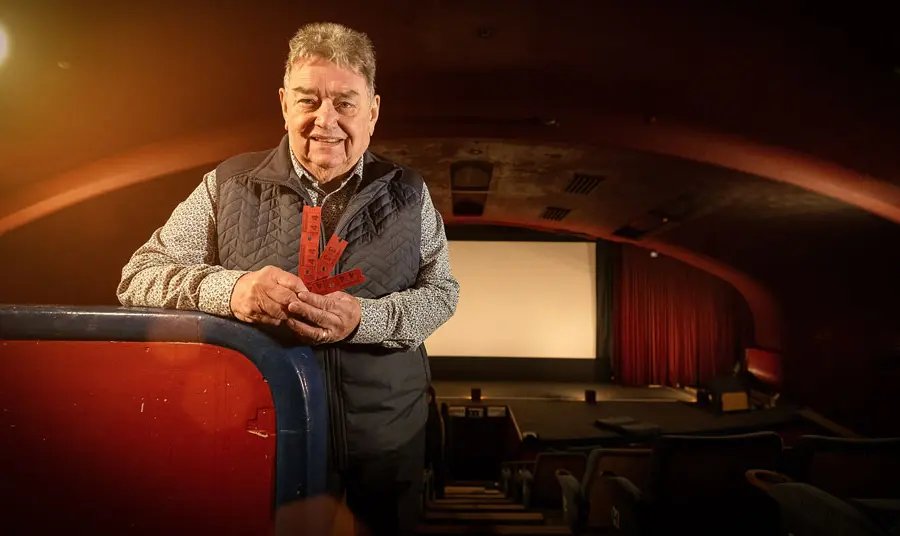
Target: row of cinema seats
704 484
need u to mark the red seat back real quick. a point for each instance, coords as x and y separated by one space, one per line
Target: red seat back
633 464
134 438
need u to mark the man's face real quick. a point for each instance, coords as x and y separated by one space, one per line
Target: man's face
329 116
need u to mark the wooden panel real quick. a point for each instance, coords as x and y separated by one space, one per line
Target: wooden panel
453 490
484 507
469 499
480 497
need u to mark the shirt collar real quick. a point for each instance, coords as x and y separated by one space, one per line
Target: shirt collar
311 181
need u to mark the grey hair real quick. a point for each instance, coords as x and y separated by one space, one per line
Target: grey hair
346 48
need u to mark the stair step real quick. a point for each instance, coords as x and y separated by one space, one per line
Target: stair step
482 517
471 483
474 499
476 496
498 530
478 506
465 490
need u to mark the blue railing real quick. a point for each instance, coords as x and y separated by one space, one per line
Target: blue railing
292 374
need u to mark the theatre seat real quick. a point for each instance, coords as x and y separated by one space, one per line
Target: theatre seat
587 504
509 476
848 468
540 488
697 485
810 511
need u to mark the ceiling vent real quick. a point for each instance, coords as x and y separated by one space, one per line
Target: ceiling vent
629 232
583 184
638 227
555 213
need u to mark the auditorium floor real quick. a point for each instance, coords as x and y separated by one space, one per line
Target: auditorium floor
558 391
557 412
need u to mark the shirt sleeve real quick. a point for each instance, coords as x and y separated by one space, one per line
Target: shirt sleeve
405 319
177 267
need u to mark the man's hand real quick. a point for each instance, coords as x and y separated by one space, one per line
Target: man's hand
324 319
263 296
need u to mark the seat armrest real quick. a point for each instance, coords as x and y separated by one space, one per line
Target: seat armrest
809 510
426 493
765 479
509 477
630 513
527 482
572 499
506 481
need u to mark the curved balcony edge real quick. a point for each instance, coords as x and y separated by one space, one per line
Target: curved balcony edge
293 376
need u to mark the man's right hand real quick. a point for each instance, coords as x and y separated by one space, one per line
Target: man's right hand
263 296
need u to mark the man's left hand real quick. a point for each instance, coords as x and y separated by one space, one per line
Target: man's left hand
324 319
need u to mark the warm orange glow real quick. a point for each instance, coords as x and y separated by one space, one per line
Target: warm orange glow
143 164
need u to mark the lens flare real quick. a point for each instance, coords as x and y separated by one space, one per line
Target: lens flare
4 44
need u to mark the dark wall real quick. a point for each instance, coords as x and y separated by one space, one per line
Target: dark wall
843 346
515 369
75 256
499 233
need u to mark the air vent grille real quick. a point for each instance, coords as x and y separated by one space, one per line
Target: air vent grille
583 184
555 213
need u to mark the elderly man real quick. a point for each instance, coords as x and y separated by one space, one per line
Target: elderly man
231 249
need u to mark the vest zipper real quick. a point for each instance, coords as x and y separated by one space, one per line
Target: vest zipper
340 418
337 431
334 381
348 216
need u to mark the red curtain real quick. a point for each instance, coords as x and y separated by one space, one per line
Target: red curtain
675 324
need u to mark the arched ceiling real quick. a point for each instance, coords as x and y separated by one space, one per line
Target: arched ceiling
772 130
96 78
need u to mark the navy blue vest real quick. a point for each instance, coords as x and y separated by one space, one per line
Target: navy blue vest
376 396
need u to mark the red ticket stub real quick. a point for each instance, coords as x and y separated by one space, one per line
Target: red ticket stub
337 282
333 251
310 231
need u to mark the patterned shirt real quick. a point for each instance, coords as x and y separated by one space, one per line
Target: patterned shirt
176 267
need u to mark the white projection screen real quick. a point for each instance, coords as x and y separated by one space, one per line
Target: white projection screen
507 308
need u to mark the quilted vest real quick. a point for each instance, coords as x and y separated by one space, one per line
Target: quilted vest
376 396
